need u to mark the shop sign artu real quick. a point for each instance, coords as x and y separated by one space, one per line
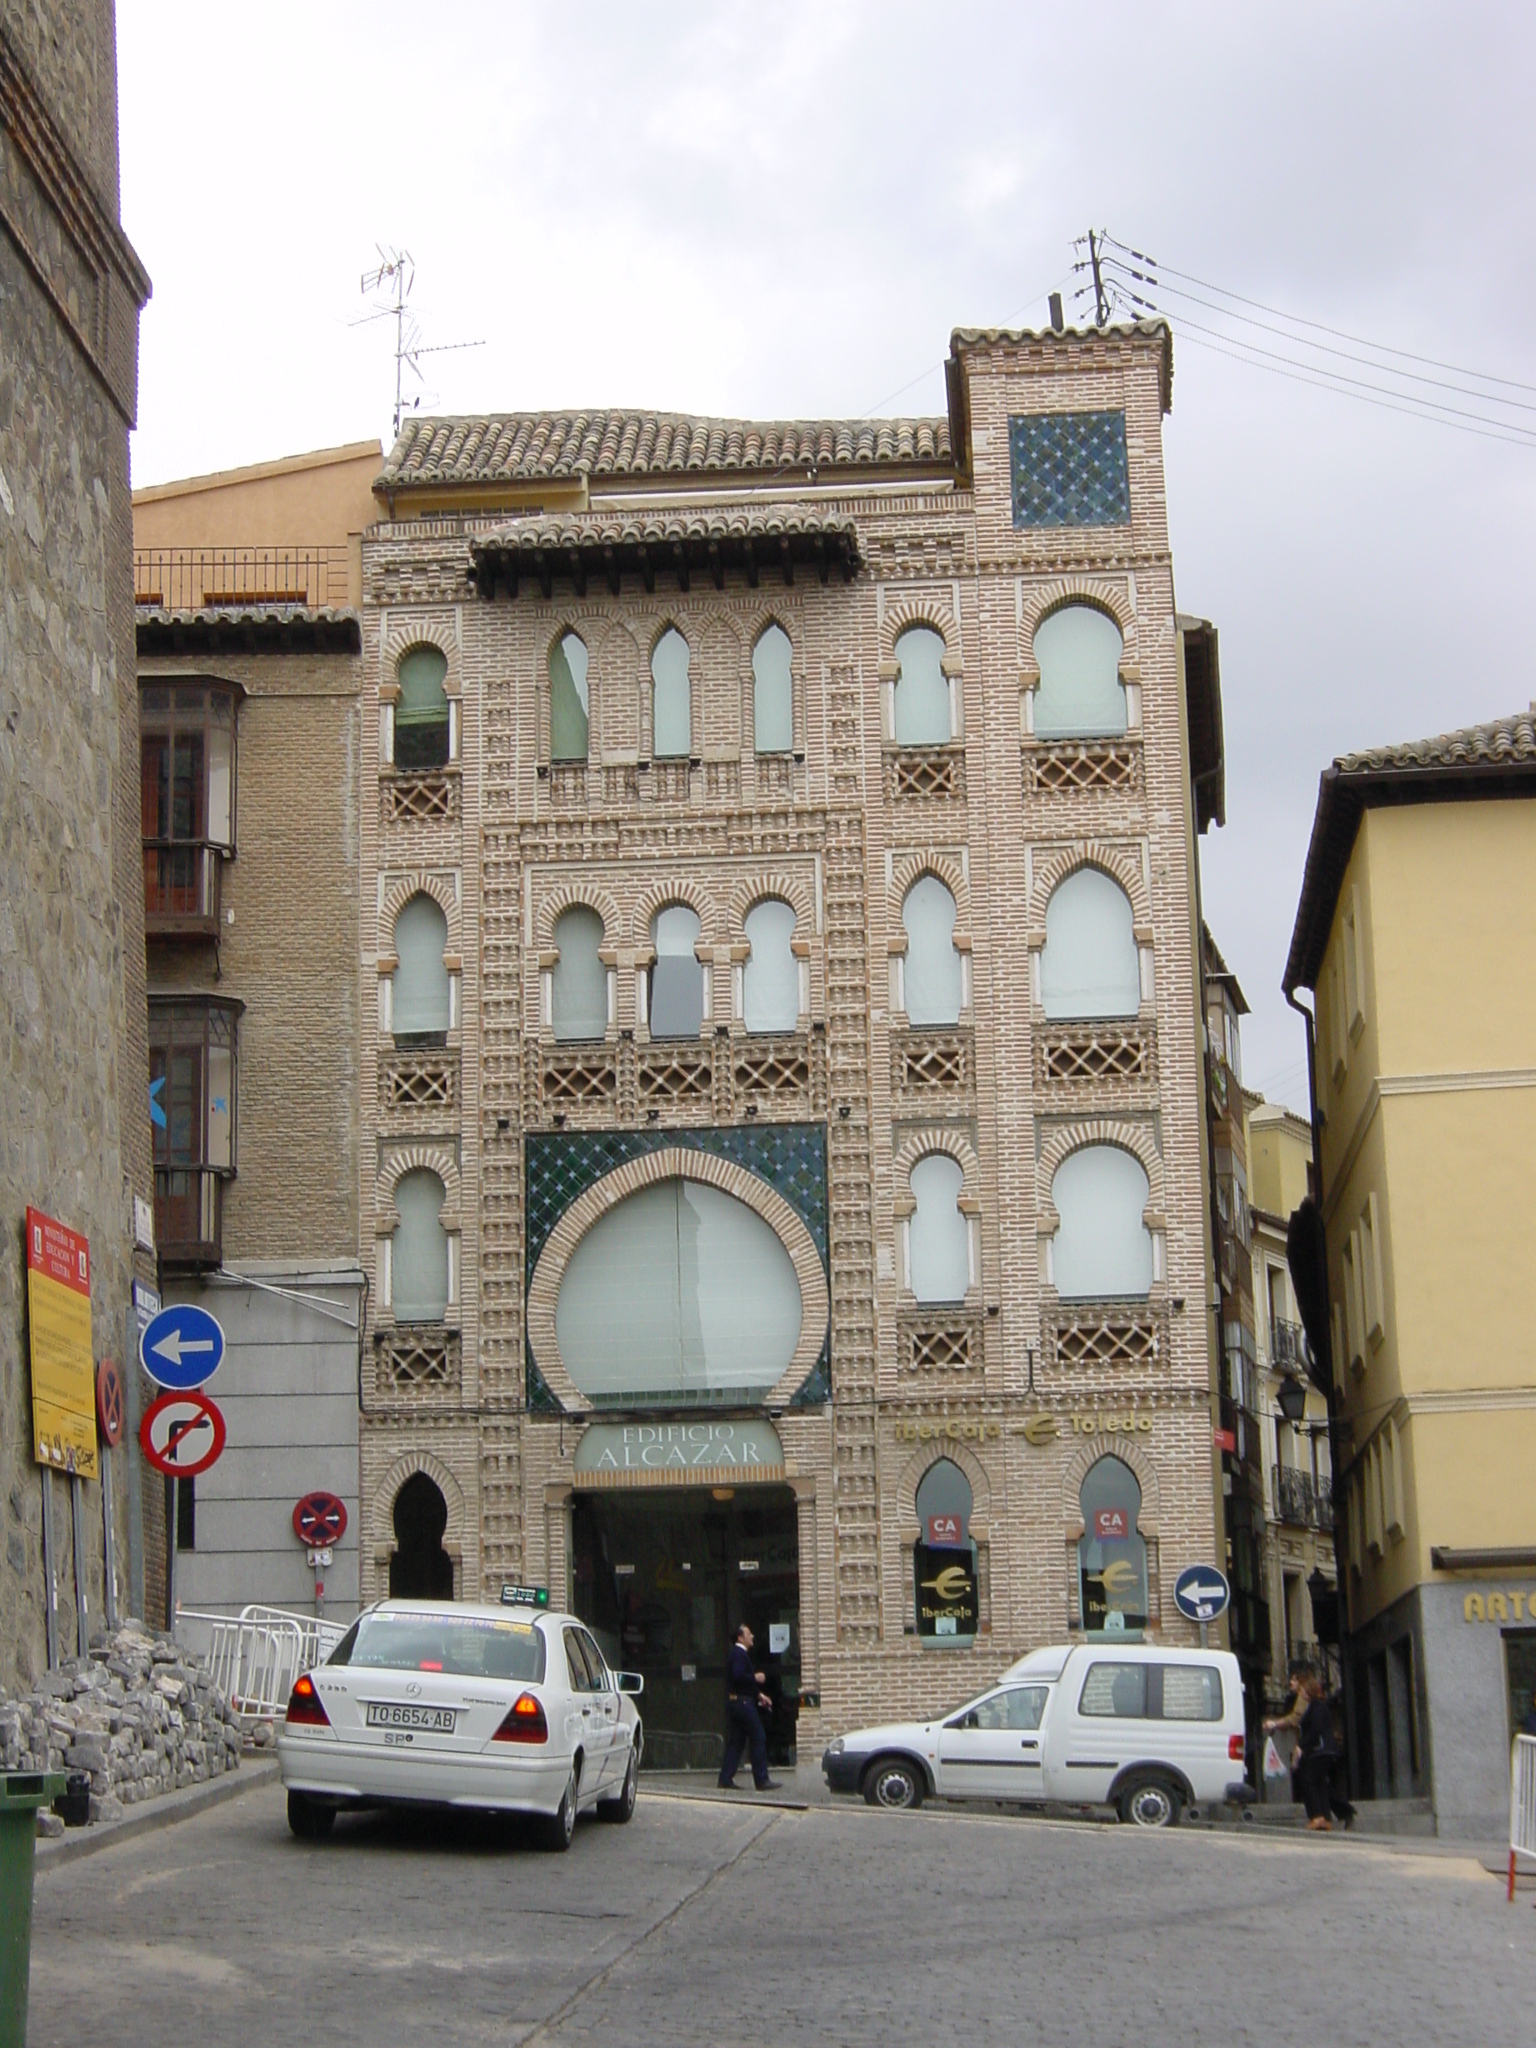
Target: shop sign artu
59 1327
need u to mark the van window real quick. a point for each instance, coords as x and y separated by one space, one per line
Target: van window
1191 1692
1020 1707
1115 1691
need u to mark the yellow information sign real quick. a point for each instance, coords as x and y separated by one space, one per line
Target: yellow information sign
59 1323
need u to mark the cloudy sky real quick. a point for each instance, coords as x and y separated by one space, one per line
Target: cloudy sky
784 209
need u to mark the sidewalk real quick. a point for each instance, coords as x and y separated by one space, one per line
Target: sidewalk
52 1851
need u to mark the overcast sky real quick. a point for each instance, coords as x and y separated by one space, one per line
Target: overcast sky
783 210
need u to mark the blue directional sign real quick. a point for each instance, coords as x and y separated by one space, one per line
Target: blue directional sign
182 1347
1202 1592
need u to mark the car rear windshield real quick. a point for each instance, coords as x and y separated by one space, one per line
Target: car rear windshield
463 1645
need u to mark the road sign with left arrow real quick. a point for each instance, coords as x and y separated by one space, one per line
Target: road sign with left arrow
1201 1592
182 1347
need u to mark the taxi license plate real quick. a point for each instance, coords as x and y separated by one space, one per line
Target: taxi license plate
385 1714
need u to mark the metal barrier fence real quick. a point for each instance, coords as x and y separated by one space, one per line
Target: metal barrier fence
1522 1804
255 1656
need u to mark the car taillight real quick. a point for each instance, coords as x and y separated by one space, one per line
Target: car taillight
525 1723
305 1707
1236 1746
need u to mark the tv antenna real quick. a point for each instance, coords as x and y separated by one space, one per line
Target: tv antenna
390 281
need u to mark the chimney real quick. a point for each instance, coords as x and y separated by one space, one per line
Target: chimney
1058 325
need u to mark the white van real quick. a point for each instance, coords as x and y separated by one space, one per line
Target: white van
1141 1727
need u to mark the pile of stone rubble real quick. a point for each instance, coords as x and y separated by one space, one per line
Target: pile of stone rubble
139 1715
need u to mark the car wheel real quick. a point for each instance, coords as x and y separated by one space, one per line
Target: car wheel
308 1819
622 1808
1150 1803
557 1828
893 1784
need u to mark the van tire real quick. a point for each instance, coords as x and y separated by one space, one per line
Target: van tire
894 1784
1151 1802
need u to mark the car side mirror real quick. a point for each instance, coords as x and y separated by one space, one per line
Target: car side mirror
971 1720
629 1681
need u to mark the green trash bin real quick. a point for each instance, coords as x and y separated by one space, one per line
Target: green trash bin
21 1794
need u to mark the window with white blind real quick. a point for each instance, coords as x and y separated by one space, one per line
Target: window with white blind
922 690
671 698
773 704
579 981
932 980
1080 696
1091 965
1103 1248
420 1004
419 1261
770 979
677 977
568 722
938 1232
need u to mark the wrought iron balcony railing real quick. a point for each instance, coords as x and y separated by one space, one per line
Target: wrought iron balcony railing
1301 1499
181 888
1288 1345
199 579
189 1218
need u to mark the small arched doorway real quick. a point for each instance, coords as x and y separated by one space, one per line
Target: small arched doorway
420 1568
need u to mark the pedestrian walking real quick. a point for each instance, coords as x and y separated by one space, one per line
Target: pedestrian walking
1316 1749
744 1696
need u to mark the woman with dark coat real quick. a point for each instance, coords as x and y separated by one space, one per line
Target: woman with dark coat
1316 1751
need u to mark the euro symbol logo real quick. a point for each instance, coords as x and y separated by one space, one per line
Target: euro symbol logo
1120 1576
1040 1429
953 1583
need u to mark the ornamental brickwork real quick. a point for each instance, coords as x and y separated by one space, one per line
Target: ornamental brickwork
931 529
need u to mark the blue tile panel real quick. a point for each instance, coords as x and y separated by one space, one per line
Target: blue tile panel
560 1166
1069 469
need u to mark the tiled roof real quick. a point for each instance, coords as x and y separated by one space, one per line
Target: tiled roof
161 629
1497 759
529 447
681 542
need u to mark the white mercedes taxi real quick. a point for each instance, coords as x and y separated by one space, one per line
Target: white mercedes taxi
508 1709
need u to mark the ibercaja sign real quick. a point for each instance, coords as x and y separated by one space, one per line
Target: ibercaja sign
948 1604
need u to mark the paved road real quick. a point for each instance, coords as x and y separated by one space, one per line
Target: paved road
703 1921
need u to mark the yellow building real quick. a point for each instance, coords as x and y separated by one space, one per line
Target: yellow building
1416 932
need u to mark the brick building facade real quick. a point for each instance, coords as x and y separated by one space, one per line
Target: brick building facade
938 1138
72 1075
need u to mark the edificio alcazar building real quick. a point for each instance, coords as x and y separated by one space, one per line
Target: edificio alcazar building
782 1151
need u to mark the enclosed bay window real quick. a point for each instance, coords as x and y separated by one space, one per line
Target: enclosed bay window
922 707
1103 1249
579 979
932 977
421 1003
938 1232
419 1262
671 698
773 702
193 1074
677 976
770 979
568 703
187 801
1112 1582
423 732
1091 965
1081 695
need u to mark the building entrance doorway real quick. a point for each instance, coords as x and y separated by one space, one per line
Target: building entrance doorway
420 1568
664 1577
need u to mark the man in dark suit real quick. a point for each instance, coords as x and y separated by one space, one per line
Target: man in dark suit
743 1697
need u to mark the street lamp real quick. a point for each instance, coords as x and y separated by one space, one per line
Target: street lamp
1292 1397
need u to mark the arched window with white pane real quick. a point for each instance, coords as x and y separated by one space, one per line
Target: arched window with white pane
421 1001
1091 964
932 976
568 706
1112 1569
423 725
938 1231
773 698
1081 696
419 1261
771 994
671 698
922 715
676 1007
1103 1249
579 979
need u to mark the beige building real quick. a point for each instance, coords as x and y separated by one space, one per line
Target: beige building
781 1168
248 669
1416 931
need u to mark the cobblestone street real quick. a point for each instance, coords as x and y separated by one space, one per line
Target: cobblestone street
703 1921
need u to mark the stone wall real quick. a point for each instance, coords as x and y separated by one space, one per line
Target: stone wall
73 1078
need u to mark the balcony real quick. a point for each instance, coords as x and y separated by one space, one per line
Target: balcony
208 578
1301 1500
1288 1346
189 1218
181 889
